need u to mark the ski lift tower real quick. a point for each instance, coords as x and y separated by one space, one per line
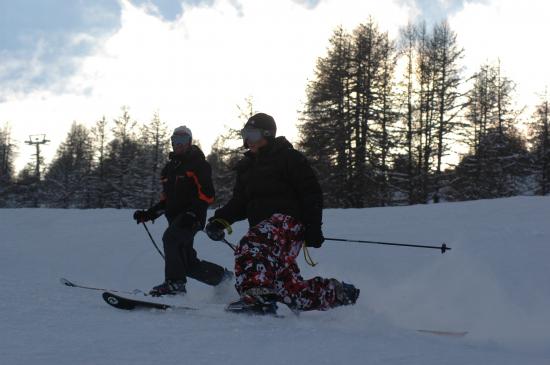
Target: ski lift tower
37 140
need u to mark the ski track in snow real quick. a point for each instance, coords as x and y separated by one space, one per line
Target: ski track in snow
493 283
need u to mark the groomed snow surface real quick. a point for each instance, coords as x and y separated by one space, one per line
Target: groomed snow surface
494 284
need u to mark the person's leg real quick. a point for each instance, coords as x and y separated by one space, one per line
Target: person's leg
255 261
204 271
181 257
314 294
266 263
255 267
175 263
176 239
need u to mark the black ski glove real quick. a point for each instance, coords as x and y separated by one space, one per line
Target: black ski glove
142 216
314 236
215 230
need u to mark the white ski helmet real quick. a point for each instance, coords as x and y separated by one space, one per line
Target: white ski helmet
183 130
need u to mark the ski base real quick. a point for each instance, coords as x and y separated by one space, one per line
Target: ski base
254 314
444 333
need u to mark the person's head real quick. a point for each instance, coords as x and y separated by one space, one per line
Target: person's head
258 131
181 139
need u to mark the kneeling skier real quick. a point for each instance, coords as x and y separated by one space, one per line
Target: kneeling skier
279 194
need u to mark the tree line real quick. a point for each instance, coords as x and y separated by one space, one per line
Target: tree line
383 115
381 125
111 165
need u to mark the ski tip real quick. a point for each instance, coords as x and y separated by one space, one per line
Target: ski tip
117 302
65 282
122 302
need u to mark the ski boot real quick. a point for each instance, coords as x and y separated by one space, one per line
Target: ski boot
169 287
346 294
257 301
224 289
227 277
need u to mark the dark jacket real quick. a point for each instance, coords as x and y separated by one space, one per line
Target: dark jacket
278 179
186 186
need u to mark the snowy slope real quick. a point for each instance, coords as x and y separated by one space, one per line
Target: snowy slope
494 284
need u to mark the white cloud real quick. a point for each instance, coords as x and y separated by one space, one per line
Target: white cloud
196 69
514 32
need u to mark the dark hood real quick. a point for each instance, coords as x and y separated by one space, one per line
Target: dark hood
274 145
280 143
192 155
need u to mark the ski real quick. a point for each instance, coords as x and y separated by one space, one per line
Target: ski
75 285
249 314
126 303
114 298
444 333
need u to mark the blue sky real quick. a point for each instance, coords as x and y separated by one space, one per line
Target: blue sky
195 60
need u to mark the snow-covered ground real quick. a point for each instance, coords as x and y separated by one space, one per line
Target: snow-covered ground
494 284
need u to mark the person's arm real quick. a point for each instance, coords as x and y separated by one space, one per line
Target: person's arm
160 207
306 185
235 209
202 178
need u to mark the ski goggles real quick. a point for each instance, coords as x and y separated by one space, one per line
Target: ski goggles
177 139
252 134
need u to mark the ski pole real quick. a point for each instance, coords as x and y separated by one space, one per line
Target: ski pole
152 240
224 240
233 247
443 247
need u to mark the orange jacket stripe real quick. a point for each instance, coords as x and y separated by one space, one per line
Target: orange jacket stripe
202 195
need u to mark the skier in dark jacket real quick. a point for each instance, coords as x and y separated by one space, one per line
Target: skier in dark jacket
279 194
187 191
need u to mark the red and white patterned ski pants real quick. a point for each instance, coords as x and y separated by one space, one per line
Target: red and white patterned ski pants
266 259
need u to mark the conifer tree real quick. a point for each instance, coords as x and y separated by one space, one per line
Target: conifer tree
7 156
226 151
540 139
498 160
98 180
448 100
67 181
122 170
326 123
155 145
